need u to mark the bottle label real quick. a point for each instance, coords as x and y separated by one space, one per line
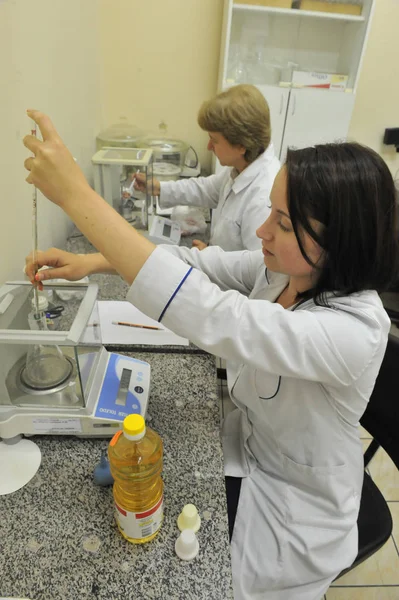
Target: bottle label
140 525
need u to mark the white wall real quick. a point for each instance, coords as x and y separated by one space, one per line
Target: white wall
377 99
48 60
160 62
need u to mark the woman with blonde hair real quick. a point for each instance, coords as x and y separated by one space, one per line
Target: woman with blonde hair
238 124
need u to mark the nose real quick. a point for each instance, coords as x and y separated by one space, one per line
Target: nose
264 231
210 146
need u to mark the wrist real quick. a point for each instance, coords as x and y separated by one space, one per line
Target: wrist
74 195
92 263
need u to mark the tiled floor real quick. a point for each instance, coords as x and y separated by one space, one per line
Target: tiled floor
378 577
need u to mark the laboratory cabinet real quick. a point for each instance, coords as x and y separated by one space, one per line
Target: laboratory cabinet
289 53
304 117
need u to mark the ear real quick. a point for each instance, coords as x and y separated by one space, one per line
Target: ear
242 150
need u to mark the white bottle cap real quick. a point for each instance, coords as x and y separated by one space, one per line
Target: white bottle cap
189 518
43 304
187 546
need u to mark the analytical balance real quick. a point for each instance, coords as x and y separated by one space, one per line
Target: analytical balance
114 171
63 381
114 174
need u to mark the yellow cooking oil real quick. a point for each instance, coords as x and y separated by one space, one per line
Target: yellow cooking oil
136 459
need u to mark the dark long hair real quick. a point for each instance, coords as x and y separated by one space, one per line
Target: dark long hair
350 190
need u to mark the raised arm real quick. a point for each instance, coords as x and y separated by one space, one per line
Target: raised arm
54 171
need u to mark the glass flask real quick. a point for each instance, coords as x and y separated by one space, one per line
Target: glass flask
46 366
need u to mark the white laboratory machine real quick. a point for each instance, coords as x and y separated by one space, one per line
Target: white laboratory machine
164 231
114 173
173 159
63 381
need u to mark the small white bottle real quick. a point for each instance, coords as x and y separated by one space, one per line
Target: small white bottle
38 320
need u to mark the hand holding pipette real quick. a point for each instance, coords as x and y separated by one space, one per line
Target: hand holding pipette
53 169
140 184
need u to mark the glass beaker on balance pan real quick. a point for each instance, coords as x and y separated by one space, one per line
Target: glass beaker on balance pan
46 367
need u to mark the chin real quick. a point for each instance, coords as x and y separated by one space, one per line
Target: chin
270 263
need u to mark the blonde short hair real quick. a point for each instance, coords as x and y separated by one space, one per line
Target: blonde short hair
241 114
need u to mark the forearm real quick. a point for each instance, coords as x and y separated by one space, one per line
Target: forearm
196 191
97 263
122 248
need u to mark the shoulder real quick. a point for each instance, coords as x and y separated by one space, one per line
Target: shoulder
364 306
266 171
357 322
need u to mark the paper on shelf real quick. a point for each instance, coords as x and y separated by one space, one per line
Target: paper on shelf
120 334
330 81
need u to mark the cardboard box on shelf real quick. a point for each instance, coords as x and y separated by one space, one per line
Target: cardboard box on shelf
272 3
328 81
332 7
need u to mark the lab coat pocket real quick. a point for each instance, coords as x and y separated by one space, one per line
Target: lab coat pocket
267 385
321 497
227 233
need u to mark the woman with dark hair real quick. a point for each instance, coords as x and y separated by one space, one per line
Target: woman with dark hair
303 331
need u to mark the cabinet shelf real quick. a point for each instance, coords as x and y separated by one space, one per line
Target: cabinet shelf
292 12
267 44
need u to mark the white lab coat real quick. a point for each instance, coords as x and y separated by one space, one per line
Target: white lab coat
240 202
300 379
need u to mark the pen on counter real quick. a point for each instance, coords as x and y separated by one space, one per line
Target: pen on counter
137 325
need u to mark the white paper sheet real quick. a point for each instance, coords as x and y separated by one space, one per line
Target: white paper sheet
120 334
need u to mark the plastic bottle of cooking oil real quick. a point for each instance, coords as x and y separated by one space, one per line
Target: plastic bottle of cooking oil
135 458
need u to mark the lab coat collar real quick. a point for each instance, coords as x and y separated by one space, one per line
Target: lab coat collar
244 179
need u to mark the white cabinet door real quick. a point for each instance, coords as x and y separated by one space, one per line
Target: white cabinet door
316 117
277 98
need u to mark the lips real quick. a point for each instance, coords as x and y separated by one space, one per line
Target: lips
266 252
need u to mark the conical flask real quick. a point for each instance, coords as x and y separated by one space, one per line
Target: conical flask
46 366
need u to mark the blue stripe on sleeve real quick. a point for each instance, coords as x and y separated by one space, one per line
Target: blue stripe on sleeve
174 293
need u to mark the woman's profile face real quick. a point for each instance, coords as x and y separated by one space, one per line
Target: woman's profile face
228 155
279 244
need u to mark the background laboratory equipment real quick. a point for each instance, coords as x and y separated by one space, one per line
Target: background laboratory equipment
136 461
64 381
171 152
114 170
166 149
173 159
119 135
164 231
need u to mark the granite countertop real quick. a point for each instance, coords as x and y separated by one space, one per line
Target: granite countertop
58 538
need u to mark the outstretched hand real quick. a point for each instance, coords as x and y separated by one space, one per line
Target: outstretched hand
199 244
64 265
140 184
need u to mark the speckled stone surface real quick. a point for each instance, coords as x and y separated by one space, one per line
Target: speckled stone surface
58 538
